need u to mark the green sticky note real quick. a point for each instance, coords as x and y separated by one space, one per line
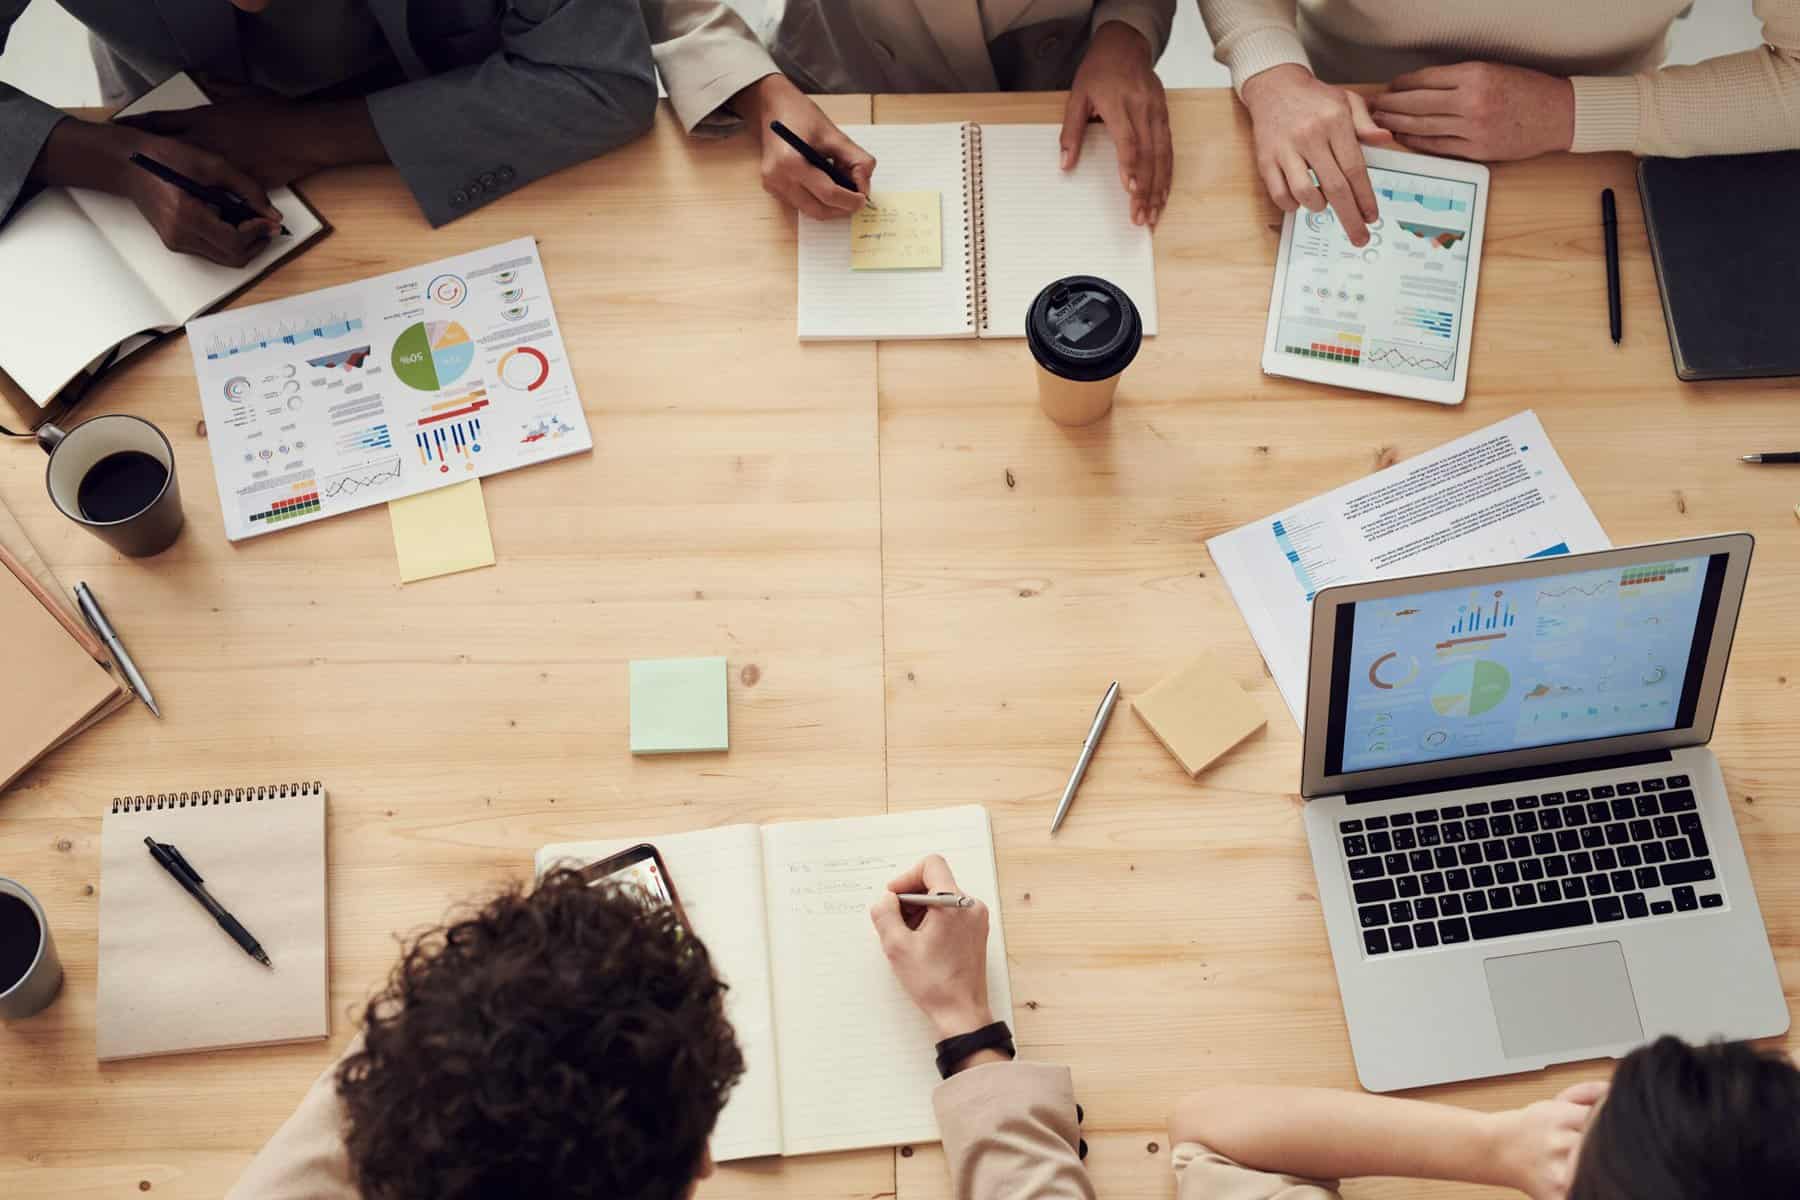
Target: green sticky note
678 706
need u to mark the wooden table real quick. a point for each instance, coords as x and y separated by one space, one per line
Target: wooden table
905 627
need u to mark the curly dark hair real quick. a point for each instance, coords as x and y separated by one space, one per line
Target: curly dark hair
566 1042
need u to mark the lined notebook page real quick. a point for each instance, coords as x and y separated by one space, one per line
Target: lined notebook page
856 1056
837 302
718 873
1044 222
170 978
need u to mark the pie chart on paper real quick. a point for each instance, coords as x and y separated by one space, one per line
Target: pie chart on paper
432 355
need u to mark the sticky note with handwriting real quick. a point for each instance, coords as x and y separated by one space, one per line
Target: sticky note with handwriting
901 231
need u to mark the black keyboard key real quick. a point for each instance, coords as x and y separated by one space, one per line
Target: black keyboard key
1453 831
1518 845
1468 854
1372 916
1665 826
1551 818
1690 825
1475 902
1630 856
1603 791
1662 908
1425 935
1506 872
1622 809
1598 885
1407 886
1608 908
1556 866
1494 850
1640 830
1573 816
1400 938
1419 860
1443 858
1395 863
1605 860
1451 812
1401 818
1628 788
1597 810
1711 900
1677 781
1550 798
1646 806
1451 905
1457 879
1452 931
1405 839
1375 890
1526 802
1675 802
1430 835
1526 823
1425 908
1432 882
1655 854
1523 894
1685 899
1591 837
1634 904
1502 825
1697 870
1565 915
1531 869
1426 814
1646 877
1617 834
1581 863
1575 794
1622 881
1482 876
1355 845
1353 825
1380 842
1568 841
1543 843
1376 823
1548 893
1478 809
1653 785
1400 911
1573 889
1499 897
1375 941
1477 828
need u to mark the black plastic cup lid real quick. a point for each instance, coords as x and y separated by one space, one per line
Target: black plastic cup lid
1083 328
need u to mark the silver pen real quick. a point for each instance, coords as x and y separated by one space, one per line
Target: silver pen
90 612
936 900
1087 754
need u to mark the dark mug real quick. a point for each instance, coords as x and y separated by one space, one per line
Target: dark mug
30 973
115 475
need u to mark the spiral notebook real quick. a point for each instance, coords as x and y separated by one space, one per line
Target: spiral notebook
1013 220
171 980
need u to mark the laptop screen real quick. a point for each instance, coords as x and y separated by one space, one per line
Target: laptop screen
1532 662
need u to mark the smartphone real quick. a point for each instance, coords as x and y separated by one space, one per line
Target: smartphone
641 871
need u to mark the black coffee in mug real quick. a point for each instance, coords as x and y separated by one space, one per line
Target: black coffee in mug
121 485
19 937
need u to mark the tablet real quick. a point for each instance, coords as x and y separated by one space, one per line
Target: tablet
1395 315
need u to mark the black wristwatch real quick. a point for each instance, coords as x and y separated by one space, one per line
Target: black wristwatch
953 1050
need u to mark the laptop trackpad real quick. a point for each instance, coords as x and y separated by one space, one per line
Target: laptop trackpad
1555 1001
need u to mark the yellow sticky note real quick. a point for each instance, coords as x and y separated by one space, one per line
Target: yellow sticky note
1199 713
900 231
441 532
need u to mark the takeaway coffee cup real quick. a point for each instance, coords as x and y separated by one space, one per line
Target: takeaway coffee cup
115 475
30 972
1084 332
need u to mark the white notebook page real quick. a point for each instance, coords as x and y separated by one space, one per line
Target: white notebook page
837 302
718 873
1044 222
857 1066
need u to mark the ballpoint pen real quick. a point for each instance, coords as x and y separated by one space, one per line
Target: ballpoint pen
171 860
1609 229
836 173
90 612
937 900
1101 717
1783 456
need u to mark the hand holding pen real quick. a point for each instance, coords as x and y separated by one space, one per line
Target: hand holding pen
773 105
938 949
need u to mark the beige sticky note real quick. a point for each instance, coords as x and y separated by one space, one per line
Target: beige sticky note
900 231
1199 713
441 532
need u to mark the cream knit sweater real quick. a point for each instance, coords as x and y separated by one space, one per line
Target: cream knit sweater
1612 51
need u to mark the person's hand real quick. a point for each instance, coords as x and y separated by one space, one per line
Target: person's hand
1538 1146
787 176
1117 82
277 141
939 955
1309 139
186 225
1480 110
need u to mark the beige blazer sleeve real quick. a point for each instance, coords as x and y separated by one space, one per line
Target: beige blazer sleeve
1200 1174
305 1160
1010 1133
706 54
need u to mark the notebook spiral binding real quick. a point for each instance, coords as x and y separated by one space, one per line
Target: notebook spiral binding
205 798
975 239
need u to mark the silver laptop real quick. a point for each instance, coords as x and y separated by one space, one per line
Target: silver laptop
1525 850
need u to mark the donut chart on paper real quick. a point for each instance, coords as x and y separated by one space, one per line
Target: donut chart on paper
432 354
524 368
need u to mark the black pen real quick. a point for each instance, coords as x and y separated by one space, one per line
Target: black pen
228 204
170 860
836 173
1784 456
1609 224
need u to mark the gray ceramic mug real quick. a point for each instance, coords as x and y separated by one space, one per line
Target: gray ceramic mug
30 972
115 475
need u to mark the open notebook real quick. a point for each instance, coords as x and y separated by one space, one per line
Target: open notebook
84 273
835 1055
171 980
1013 221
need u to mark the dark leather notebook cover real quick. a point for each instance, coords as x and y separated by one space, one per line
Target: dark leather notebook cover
1725 237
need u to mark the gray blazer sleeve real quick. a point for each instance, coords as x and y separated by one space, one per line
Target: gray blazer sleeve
25 123
572 79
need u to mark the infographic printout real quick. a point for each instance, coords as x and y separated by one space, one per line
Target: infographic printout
355 395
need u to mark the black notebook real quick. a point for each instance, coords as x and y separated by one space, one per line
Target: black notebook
1726 245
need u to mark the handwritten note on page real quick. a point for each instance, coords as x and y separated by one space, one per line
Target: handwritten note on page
900 231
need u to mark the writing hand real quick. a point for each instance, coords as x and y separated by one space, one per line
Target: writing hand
787 176
939 955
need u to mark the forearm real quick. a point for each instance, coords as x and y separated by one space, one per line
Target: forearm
83 154
1251 36
338 133
1326 1134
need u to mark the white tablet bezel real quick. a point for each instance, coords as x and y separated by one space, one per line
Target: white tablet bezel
1369 379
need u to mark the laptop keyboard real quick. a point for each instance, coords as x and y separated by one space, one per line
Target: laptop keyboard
1459 873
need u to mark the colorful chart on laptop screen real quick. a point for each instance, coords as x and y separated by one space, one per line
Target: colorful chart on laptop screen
432 355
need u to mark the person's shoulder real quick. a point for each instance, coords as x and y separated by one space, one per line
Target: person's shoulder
1204 1174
